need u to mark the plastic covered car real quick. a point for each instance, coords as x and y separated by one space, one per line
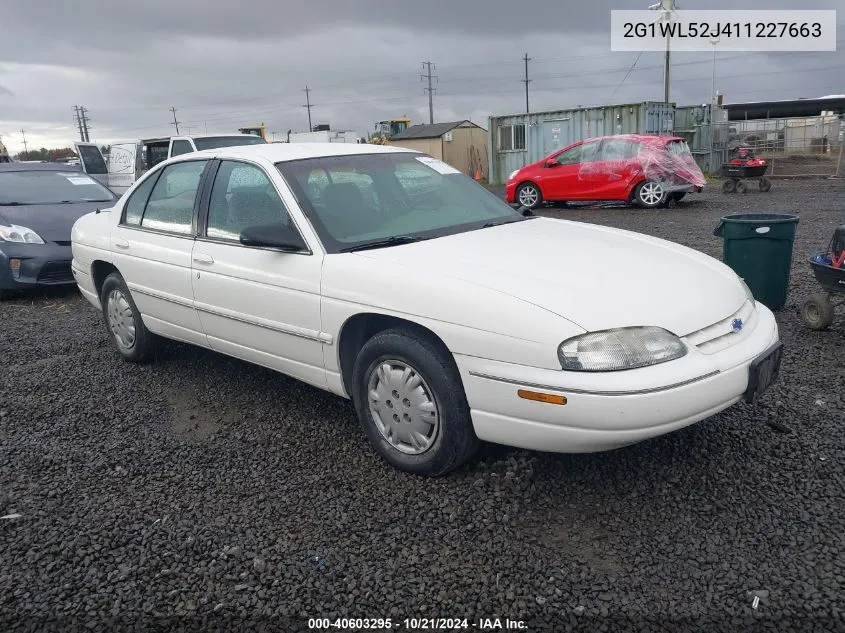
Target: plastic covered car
648 171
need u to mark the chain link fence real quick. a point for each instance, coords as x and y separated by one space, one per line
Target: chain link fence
797 147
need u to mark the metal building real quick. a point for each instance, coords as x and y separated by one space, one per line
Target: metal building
516 140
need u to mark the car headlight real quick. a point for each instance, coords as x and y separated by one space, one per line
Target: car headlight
620 349
748 294
513 175
15 233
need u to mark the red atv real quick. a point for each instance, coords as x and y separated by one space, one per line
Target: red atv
744 166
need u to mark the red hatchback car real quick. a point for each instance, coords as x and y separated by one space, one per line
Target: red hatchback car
645 170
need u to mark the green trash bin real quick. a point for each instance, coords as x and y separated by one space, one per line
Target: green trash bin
758 247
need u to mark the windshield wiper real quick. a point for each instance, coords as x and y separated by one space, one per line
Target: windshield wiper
396 240
492 224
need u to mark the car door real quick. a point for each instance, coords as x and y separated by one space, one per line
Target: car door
614 169
258 304
152 247
569 177
93 162
124 166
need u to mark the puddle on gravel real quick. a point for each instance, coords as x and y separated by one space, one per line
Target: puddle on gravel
193 420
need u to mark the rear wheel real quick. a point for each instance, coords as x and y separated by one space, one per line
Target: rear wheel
765 184
529 196
650 194
123 320
729 186
817 312
409 399
741 187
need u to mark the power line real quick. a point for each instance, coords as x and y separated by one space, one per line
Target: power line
429 90
175 122
526 81
308 106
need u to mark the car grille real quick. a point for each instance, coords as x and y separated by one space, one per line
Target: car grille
55 273
722 334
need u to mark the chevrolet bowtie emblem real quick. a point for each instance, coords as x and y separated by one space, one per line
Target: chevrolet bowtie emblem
736 325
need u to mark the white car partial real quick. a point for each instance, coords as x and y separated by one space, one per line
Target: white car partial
446 316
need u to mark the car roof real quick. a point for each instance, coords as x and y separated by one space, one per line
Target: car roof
644 138
281 152
38 167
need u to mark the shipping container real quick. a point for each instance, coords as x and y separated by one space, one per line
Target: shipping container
517 140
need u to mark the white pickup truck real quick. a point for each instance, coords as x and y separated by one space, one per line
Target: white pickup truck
128 160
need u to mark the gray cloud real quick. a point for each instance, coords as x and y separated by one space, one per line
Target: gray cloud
223 65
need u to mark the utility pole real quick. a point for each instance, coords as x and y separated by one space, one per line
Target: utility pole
714 41
308 105
430 90
84 114
25 149
175 122
526 81
666 7
79 123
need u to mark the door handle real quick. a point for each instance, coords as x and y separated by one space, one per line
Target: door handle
201 258
121 243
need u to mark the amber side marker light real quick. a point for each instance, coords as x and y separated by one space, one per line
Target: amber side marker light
536 396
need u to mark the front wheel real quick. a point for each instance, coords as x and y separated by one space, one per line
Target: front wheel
765 184
817 312
529 196
650 194
123 320
409 399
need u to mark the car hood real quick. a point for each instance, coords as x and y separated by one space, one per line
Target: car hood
596 277
52 222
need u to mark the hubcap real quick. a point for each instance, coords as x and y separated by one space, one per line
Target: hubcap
651 193
403 407
121 319
812 312
528 196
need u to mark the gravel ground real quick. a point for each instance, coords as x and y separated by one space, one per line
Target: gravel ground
202 493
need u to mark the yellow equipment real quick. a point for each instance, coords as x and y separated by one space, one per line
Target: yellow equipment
257 130
389 128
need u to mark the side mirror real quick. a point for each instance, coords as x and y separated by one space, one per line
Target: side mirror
276 236
551 162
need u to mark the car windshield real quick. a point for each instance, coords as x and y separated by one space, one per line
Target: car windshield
355 200
215 142
45 186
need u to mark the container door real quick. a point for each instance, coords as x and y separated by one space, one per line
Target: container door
92 162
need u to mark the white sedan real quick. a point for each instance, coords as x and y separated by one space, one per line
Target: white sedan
386 277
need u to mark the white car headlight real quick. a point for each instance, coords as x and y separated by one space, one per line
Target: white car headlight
620 349
15 233
513 175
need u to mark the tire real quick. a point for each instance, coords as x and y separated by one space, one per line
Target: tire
650 194
533 198
741 187
444 442
121 317
729 186
765 184
817 312
679 195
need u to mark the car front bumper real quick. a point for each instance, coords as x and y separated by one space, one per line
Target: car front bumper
606 415
510 192
40 265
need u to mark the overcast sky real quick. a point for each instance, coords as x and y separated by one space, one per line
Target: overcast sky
224 65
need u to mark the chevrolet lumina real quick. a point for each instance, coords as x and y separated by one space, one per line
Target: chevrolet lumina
448 318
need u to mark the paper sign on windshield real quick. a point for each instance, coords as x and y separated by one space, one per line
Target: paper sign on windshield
438 165
80 180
